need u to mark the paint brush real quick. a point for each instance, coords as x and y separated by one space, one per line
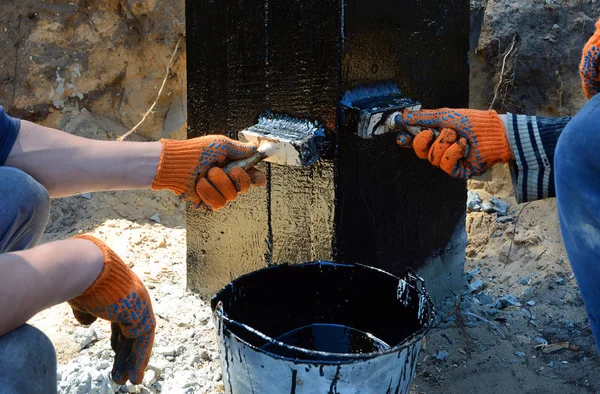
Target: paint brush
282 140
377 109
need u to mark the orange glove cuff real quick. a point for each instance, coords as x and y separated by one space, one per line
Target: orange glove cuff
176 159
491 139
115 281
589 67
184 166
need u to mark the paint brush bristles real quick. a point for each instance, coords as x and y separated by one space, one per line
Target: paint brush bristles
386 90
371 109
284 128
294 142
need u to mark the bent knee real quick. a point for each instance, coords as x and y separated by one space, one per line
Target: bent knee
24 210
579 143
19 190
28 362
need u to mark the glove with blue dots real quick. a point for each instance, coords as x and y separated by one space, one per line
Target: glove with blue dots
589 69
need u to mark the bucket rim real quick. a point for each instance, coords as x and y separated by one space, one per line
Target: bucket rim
410 278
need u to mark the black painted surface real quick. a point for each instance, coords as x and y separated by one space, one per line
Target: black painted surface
227 89
393 209
368 201
304 44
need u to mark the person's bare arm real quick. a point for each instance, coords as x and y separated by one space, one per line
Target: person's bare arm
47 275
66 164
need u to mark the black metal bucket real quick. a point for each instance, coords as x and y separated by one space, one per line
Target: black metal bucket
321 328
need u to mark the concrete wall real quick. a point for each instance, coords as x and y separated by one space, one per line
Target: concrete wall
366 201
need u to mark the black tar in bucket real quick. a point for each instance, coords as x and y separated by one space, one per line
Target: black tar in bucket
321 328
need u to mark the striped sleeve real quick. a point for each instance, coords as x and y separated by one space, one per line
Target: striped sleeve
533 140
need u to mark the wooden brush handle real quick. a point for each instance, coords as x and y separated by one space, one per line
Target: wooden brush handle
247 163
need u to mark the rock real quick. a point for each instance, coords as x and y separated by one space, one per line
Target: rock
487 208
476 286
80 376
569 324
155 218
471 274
104 364
531 303
523 339
195 361
84 336
442 355
150 377
158 365
166 351
520 354
205 355
485 298
87 196
525 281
493 311
504 219
540 341
471 251
132 388
507 301
473 201
105 354
496 205
560 281
181 381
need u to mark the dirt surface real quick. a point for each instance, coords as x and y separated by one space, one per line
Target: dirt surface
524 258
525 54
148 231
482 356
107 56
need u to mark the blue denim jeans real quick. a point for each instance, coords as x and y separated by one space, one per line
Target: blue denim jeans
27 357
577 176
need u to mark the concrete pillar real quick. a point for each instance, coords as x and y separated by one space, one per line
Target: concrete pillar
366 201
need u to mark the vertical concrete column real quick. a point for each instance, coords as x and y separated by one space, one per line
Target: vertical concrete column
394 210
366 201
227 89
303 53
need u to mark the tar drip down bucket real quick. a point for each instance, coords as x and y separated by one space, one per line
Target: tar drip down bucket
321 328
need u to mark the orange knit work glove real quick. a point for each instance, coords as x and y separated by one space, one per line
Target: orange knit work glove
120 297
191 169
482 131
589 69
